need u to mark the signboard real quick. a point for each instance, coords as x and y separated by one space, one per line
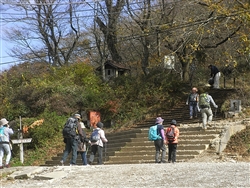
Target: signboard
20 141
169 61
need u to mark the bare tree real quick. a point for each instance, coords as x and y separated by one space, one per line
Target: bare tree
109 26
143 22
46 31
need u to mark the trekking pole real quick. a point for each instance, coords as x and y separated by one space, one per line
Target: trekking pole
87 149
105 151
215 111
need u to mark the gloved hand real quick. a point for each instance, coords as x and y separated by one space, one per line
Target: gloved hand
216 106
186 103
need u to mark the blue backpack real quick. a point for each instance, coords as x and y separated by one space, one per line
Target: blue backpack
95 136
152 133
3 137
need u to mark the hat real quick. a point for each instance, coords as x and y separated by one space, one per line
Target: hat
3 121
159 120
99 124
173 122
78 116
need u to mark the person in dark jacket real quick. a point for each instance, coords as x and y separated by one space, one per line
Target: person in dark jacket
71 144
160 143
215 75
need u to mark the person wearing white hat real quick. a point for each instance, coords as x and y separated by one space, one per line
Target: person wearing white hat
5 132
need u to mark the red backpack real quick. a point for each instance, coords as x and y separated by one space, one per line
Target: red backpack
170 134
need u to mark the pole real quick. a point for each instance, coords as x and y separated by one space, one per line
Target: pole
105 151
21 145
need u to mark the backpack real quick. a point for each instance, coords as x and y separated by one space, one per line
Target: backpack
3 137
203 101
152 133
95 136
170 134
70 128
211 81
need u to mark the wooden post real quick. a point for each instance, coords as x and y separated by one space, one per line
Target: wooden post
20 141
21 137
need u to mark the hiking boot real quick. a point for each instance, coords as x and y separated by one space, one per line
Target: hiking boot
62 162
7 166
191 117
209 124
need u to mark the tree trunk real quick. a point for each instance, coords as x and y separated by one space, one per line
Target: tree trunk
185 71
145 57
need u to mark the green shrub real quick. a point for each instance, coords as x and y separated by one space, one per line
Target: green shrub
52 126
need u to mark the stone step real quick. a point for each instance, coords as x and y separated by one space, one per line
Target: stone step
147 160
144 135
148 148
145 157
152 152
133 153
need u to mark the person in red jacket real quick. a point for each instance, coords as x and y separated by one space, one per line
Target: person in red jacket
172 134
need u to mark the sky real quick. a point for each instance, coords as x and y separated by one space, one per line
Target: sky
5 60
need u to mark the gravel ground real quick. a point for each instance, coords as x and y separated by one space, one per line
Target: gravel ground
188 174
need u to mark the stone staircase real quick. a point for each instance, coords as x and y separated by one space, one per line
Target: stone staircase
192 142
132 146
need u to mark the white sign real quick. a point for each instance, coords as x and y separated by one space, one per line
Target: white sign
19 141
169 61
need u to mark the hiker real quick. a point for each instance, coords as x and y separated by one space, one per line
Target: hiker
5 133
206 111
97 143
83 145
71 142
172 134
192 101
215 75
160 142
